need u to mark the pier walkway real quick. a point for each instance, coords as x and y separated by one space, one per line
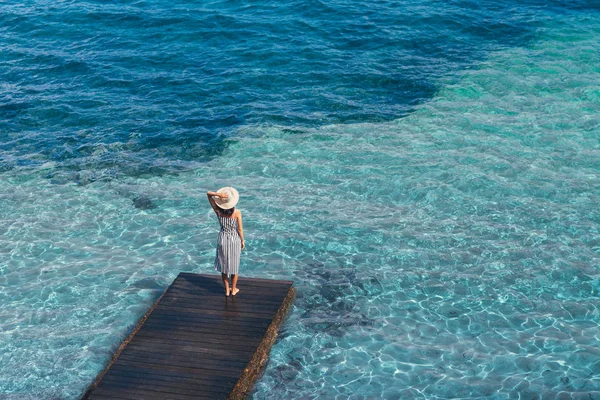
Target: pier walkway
195 343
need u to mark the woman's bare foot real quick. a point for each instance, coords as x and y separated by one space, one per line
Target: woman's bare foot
227 292
235 291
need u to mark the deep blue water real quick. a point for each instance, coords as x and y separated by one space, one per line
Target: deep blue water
426 172
170 80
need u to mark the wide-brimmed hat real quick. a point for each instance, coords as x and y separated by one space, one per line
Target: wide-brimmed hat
230 201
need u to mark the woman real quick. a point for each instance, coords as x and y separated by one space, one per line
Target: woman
231 236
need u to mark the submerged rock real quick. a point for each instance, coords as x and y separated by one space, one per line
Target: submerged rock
143 202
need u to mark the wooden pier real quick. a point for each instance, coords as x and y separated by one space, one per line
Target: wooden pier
196 343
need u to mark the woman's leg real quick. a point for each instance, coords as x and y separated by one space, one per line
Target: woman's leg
234 289
226 283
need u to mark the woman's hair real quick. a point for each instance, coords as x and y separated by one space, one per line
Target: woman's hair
229 212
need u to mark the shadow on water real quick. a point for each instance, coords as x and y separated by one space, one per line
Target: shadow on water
332 300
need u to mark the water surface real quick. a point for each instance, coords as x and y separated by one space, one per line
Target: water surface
426 173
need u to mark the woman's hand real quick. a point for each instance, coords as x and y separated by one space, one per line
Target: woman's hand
243 245
220 195
223 195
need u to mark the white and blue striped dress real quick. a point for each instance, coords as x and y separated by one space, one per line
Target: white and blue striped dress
229 247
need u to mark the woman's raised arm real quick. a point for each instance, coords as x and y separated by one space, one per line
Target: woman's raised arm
211 200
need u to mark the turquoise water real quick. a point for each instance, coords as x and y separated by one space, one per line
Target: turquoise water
438 217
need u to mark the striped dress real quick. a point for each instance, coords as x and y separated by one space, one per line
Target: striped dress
229 247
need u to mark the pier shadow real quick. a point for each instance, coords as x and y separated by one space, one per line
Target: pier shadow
205 284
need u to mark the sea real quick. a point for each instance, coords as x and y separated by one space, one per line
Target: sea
427 173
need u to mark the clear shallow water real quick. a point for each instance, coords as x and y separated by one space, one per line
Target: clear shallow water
449 253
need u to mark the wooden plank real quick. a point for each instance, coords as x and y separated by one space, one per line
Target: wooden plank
183 358
147 393
179 315
175 313
222 303
195 343
197 369
223 326
210 355
259 293
183 329
254 281
198 347
172 384
167 377
266 300
225 313
195 287
269 299
245 287
198 339
170 360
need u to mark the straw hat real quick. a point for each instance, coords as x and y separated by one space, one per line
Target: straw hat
230 201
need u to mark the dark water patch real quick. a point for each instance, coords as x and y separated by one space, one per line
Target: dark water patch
6 166
143 202
184 76
148 283
10 109
328 308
